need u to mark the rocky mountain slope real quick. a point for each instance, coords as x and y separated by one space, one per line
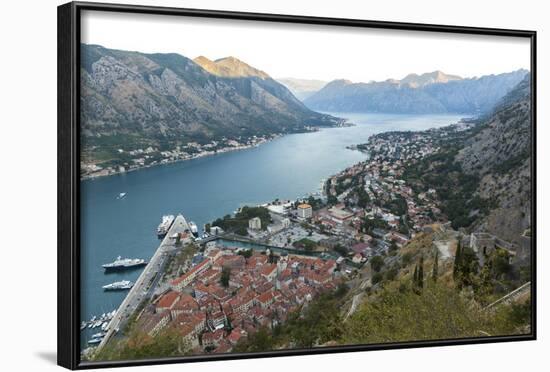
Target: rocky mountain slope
499 152
302 88
433 92
229 67
162 99
418 81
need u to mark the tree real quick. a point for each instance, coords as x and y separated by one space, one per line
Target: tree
239 223
421 272
246 253
466 265
435 270
259 341
377 278
363 197
305 244
376 263
406 259
469 267
458 259
271 257
391 274
341 249
501 263
226 275
403 229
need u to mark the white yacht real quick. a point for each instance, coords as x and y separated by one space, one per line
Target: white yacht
118 286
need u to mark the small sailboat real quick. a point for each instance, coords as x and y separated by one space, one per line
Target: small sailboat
122 195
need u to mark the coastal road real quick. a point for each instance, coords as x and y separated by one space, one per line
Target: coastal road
142 287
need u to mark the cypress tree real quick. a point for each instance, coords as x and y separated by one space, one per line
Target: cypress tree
435 270
458 259
421 273
415 276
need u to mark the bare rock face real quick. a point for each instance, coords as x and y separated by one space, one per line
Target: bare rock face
500 154
512 192
155 96
229 67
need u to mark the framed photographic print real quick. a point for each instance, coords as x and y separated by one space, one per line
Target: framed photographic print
237 185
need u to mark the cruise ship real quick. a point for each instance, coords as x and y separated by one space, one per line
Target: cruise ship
164 226
194 229
124 264
118 286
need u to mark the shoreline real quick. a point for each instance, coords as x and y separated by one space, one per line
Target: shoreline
343 124
202 155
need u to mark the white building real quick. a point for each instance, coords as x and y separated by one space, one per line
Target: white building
274 228
285 222
255 223
305 211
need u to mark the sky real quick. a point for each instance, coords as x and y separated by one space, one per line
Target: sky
309 51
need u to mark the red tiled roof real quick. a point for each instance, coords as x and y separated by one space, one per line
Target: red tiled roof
213 336
236 335
224 347
268 269
168 300
186 302
193 271
265 297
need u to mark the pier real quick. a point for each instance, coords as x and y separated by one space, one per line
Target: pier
144 286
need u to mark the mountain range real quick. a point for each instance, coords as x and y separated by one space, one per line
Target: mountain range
168 98
302 88
428 93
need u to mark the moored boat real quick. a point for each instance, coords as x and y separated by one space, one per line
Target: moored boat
164 226
118 286
94 341
194 229
124 264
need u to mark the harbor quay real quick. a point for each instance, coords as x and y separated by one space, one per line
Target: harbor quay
144 286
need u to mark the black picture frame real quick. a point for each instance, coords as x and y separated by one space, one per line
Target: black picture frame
68 253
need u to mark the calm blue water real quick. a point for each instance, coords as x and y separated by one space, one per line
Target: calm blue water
207 188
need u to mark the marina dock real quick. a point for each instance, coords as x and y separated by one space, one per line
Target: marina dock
144 286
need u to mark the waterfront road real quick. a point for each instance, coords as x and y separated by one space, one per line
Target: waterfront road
144 285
